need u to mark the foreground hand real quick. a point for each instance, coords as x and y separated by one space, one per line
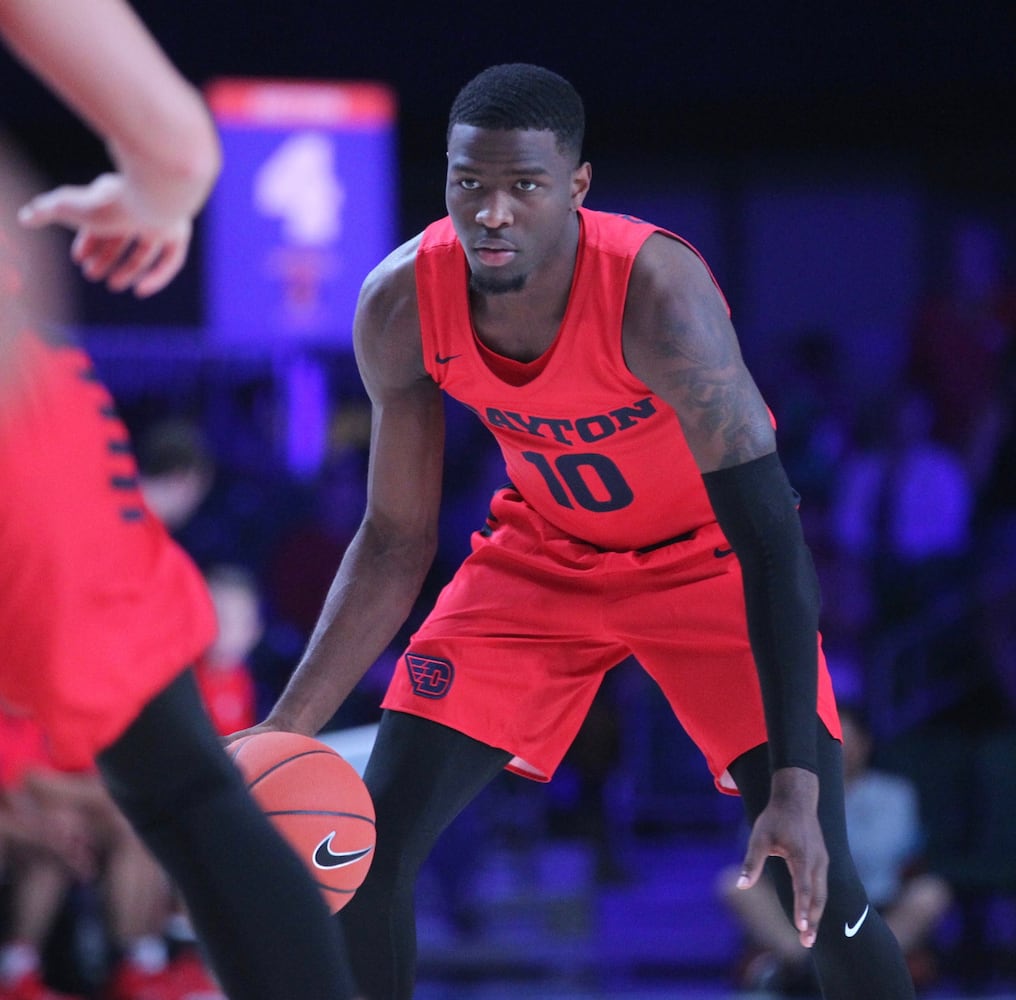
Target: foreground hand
788 828
114 242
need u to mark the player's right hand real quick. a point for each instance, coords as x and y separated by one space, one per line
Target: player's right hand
115 241
261 727
789 828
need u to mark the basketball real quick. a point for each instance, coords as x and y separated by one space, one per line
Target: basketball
317 801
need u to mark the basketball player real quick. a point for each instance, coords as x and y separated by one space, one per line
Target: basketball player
648 514
100 612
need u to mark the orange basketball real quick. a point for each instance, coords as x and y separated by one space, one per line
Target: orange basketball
317 801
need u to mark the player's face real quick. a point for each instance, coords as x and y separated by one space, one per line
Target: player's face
512 195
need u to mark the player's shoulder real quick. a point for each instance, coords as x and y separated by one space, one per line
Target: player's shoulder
655 253
663 253
386 331
398 267
668 271
391 284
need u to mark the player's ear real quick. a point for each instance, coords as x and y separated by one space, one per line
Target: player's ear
581 178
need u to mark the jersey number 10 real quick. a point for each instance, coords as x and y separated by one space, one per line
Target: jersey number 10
566 477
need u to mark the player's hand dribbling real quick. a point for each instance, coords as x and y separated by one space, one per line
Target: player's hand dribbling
788 828
261 727
115 242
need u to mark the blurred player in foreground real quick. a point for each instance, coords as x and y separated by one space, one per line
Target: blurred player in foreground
100 613
648 514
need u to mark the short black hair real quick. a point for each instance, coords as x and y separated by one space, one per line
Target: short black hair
522 96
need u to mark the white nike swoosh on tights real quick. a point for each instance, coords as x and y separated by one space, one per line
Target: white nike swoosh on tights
849 930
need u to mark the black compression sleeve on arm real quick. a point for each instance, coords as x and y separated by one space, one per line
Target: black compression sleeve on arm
756 508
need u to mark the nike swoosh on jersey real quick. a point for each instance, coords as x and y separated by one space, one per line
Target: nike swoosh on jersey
851 929
443 361
325 857
722 553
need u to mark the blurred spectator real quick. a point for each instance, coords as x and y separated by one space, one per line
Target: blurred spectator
884 827
962 330
813 410
903 508
63 829
995 450
303 563
177 471
996 531
40 854
223 672
299 572
217 514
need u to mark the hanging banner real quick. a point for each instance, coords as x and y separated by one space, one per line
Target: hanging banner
304 208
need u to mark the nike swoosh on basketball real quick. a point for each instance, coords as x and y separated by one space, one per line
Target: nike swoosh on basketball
851 929
443 361
722 553
325 857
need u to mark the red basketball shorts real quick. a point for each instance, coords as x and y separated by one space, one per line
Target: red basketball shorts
518 642
99 608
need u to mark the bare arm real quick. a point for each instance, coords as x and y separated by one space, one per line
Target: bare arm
133 226
383 570
679 340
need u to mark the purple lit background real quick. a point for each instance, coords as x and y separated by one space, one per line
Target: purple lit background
840 167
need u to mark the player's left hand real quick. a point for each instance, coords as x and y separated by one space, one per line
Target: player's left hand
788 828
114 242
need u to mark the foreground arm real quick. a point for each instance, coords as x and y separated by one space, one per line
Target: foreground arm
679 340
384 567
133 226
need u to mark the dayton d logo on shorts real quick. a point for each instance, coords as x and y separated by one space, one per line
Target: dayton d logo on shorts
430 677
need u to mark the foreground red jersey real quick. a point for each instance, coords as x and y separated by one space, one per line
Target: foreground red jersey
99 608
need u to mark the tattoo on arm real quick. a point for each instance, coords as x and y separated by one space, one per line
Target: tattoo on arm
704 377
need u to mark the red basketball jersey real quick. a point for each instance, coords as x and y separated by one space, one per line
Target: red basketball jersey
587 444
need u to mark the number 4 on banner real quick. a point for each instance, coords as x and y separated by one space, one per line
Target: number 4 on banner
305 207
298 184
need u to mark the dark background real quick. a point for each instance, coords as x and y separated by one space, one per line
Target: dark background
819 155
717 87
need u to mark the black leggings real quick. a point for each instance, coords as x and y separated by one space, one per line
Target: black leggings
421 775
868 964
261 920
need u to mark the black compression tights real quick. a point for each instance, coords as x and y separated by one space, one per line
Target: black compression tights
869 964
422 774
263 923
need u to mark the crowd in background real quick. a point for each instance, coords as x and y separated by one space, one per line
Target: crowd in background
909 505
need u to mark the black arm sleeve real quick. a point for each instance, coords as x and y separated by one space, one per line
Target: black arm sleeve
756 508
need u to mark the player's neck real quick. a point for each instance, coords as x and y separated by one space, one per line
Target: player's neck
523 324
519 325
